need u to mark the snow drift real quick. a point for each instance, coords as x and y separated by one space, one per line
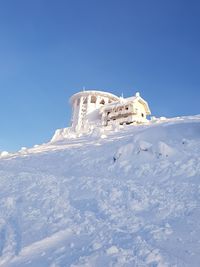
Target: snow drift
128 197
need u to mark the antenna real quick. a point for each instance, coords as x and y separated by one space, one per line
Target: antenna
122 95
83 88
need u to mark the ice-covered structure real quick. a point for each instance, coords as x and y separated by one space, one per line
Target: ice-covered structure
95 108
86 107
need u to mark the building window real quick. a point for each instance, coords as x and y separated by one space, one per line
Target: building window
93 99
142 114
102 102
85 101
126 107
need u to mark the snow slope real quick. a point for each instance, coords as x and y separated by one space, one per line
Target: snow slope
129 197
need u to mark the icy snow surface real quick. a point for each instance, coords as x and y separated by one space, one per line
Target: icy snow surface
123 198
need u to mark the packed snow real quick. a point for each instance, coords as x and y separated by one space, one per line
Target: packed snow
124 197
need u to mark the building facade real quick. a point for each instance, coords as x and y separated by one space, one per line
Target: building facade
98 108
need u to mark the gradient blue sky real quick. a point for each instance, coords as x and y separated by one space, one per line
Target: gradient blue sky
50 49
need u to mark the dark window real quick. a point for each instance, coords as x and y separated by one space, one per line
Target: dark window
102 102
93 99
142 114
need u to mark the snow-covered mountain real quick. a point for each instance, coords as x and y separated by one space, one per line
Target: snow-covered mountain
126 197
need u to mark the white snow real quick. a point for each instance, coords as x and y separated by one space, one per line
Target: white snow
127 196
4 154
112 250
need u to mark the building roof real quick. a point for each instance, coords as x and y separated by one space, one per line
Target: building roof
93 92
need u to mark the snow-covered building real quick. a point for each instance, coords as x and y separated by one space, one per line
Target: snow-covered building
96 108
125 111
86 106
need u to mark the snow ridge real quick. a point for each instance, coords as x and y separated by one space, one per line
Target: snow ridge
123 197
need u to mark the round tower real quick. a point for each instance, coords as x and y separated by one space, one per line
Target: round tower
85 103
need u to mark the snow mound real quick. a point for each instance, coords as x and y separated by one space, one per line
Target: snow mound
4 154
124 197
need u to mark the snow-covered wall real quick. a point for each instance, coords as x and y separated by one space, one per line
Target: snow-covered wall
85 104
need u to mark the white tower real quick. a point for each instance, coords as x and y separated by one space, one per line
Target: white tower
85 104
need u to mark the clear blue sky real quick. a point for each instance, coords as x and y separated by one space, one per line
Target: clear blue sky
50 49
